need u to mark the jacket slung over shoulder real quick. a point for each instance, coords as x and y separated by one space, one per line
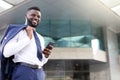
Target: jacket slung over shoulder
6 64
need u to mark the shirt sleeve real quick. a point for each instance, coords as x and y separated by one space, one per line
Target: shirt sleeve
16 44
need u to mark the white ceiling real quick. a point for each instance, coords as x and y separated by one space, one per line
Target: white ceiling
111 3
114 5
92 10
14 2
7 4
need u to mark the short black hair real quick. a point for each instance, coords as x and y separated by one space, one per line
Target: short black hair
34 8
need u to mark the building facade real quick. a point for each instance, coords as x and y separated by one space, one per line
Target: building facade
85 33
80 51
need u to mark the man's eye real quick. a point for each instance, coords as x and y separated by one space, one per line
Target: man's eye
33 15
38 16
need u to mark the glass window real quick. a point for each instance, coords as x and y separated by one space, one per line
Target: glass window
71 33
67 70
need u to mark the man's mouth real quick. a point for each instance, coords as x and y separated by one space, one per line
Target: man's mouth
34 22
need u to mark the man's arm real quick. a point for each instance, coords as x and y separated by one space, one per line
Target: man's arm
15 45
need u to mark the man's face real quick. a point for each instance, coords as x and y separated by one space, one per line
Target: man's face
33 18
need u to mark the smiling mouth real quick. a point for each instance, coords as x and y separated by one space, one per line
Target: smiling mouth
34 22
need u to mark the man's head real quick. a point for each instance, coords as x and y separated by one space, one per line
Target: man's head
33 16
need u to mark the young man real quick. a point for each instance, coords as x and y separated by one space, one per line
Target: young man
27 47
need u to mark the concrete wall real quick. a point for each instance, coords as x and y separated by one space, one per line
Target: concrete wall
99 72
113 56
78 53
111 69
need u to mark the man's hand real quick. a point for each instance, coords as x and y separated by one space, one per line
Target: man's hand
47 51
29 31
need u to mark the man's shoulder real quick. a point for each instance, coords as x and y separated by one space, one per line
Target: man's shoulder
16 25
12 30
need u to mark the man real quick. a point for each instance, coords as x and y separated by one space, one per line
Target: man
26 48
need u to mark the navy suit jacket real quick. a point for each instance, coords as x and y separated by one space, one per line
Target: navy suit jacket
7 63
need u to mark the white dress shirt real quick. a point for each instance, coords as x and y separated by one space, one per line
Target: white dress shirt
24 49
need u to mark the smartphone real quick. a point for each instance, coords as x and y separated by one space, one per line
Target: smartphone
50 43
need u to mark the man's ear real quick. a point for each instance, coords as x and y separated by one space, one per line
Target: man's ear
25 15
25 20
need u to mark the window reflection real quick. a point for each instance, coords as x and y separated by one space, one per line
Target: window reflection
67 70
71 33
